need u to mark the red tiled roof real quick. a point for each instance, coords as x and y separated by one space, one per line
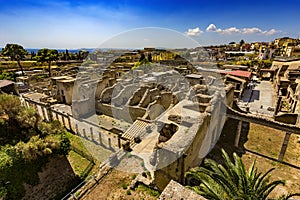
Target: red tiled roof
4 83
238 73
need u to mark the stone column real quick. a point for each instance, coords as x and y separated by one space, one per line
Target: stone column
92 136
284 146
84 133
43 112
63 120
109 143
238 134
77 130
70 125
100 138
49 112
119 141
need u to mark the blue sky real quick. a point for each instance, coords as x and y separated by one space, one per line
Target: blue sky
88 23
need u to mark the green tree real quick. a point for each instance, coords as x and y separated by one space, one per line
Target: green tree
24 151
142 58
149 57
67 55
47 55
16 53
32 55
4 75
242 42
233 181
10 106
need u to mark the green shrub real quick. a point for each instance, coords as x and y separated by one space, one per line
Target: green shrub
124 186
128 192
133 176
150 191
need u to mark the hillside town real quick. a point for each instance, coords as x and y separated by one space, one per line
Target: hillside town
142 120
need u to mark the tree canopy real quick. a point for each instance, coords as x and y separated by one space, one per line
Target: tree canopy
25 144
47 55
16 52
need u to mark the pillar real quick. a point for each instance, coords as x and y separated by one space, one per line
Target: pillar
92 136
70 125
49 112
238 134
36 108
284 146
119 141
76 127
84 134
100 138
43 112
63 120
294 106
109 142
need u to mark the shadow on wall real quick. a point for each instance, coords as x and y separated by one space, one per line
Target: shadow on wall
255 95
227 138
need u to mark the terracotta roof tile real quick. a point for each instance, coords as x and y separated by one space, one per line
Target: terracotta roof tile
238 73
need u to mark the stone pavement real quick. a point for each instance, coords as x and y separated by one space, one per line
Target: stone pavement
260 99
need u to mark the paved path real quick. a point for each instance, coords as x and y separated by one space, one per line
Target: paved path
259 98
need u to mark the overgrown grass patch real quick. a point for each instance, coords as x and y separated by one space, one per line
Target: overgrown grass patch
79 162
149 191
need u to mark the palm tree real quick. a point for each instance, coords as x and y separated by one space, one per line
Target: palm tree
47 55
16 53
232 181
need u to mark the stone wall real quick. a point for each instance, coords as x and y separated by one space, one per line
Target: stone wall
148 97
175 191
106 94
137 96
183 160
82 108
102 84
121 97
193 140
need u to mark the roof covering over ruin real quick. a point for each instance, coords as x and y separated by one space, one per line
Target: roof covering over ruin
239 73
4 83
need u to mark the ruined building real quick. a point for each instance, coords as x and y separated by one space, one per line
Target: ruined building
176 118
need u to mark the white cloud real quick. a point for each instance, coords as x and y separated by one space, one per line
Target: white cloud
258 30
231 30
234 30
213 28
251 30
194 31
271 32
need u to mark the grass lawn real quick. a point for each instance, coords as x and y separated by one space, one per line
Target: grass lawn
80 164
